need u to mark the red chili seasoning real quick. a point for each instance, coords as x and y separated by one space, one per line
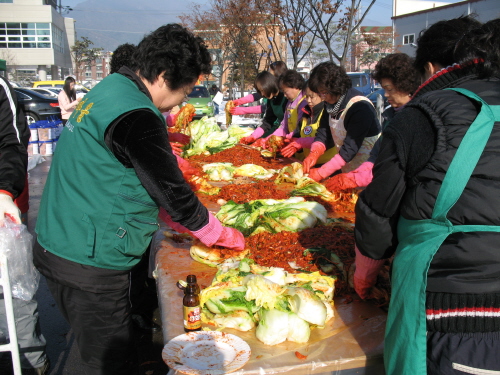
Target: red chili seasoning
239 155
278 249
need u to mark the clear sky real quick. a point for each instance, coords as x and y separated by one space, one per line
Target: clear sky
379 15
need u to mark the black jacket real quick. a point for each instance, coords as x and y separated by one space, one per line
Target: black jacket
416 150
14 137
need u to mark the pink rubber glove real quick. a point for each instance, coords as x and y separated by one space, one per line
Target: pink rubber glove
256 109
289 135
366 273
179 138
257 133
211 234
334 164
170 119
246 99
341 181
281 131
363 174
317 149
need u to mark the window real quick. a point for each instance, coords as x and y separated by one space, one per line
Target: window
99 75
408 38
57 39
28 35
88 74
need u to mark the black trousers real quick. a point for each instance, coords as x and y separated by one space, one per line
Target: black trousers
102 326
463 353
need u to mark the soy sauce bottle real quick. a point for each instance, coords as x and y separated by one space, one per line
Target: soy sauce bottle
191 307
190 280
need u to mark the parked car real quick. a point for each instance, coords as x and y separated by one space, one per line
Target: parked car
362 82
57 83
45 91
37 106
201 99
373 97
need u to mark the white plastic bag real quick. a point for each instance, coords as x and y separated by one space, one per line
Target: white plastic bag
16 243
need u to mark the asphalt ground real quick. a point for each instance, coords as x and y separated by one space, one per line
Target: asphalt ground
62 349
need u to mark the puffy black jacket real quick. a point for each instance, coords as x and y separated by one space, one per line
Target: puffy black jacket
14 137
416 151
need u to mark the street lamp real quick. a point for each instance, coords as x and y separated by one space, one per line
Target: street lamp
63 9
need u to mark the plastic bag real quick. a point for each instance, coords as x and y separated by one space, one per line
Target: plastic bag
16 243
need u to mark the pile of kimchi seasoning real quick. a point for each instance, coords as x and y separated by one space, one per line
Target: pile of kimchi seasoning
244 193
239 155
278 249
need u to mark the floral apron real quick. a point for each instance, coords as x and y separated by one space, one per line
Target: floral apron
405 336
339 134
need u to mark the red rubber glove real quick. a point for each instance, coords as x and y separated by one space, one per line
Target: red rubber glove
314 174
246 99
247 140
256 109
211 234
317 149
261 142
341 181
179 138
290 149
176 148
334 164
366 273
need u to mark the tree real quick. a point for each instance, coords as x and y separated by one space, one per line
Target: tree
335 25
83 55
231 27
373 46
294 16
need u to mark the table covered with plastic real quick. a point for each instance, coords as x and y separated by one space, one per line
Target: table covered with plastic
351 342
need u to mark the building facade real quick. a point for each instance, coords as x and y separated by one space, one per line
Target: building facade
35 39
410 18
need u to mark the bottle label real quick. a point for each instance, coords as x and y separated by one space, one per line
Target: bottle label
192 317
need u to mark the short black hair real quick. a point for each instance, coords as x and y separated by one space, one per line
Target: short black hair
329 77
173 51
292 79
437 44
481 44
266 84
278 68
122 56
398 67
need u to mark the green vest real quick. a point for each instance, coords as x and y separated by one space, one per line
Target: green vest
94 211
405 336
278 112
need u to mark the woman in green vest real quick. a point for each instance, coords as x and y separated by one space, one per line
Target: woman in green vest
267 84
113 169
434 202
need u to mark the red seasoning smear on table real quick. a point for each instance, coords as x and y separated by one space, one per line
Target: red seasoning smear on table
243 193
239 155
277 249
